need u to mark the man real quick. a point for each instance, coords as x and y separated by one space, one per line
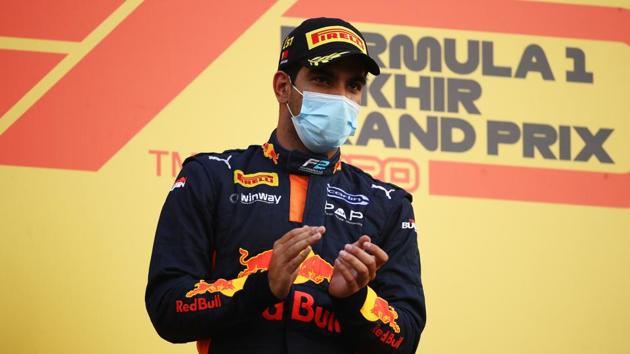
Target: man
234 264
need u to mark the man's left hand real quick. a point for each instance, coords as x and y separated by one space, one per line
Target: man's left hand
355 267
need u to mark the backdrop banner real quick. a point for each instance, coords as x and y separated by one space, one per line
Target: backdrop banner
507 120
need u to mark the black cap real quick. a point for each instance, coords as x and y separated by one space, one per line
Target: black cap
319 41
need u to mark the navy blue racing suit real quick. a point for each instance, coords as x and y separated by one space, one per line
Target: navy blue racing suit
208 272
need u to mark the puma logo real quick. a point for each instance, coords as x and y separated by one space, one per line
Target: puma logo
387 191
226 161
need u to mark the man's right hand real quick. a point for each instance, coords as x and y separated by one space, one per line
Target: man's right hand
288 253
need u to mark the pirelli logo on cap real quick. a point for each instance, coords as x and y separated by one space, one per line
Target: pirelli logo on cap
255 179
331 34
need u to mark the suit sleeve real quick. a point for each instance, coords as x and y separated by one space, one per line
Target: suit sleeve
389 314
183 301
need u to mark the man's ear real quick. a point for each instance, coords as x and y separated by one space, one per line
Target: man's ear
281 86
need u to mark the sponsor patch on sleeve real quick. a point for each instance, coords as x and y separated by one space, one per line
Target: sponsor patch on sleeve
179 183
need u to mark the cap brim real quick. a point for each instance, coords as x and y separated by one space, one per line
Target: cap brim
370 64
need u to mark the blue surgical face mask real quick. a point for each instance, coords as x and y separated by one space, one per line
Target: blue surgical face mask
325 121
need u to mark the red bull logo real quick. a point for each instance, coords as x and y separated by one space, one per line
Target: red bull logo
306 310
315 269
387 337
198 304
270 153
411 224
385 313
225 287
257 263
219 286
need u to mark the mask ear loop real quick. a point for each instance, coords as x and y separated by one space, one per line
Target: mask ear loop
290 112
287 103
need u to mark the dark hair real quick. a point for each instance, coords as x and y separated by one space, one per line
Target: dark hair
292 71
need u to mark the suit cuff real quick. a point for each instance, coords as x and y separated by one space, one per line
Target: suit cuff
259 292
352 303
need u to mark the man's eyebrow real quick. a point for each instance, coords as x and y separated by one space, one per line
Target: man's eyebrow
361 79
322 71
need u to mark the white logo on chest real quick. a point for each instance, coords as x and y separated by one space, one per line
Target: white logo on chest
226 161
350 216
387 191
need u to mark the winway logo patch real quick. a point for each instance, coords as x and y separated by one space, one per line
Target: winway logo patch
251 198
338 193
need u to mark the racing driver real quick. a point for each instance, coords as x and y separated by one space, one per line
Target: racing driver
281 247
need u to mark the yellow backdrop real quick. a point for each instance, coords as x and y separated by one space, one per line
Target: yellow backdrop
537 267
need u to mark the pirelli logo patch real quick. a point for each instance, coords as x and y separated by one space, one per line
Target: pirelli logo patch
255 179
331 34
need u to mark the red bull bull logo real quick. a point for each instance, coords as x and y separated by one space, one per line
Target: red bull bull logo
315 269
219 286
337 166
385 313
257 263
270 153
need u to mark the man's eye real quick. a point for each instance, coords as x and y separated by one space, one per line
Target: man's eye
321 80
356 86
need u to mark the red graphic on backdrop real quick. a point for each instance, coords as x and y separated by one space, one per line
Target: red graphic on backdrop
529 184
124 82
20 71
403 172
64 20
502 16
68 20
